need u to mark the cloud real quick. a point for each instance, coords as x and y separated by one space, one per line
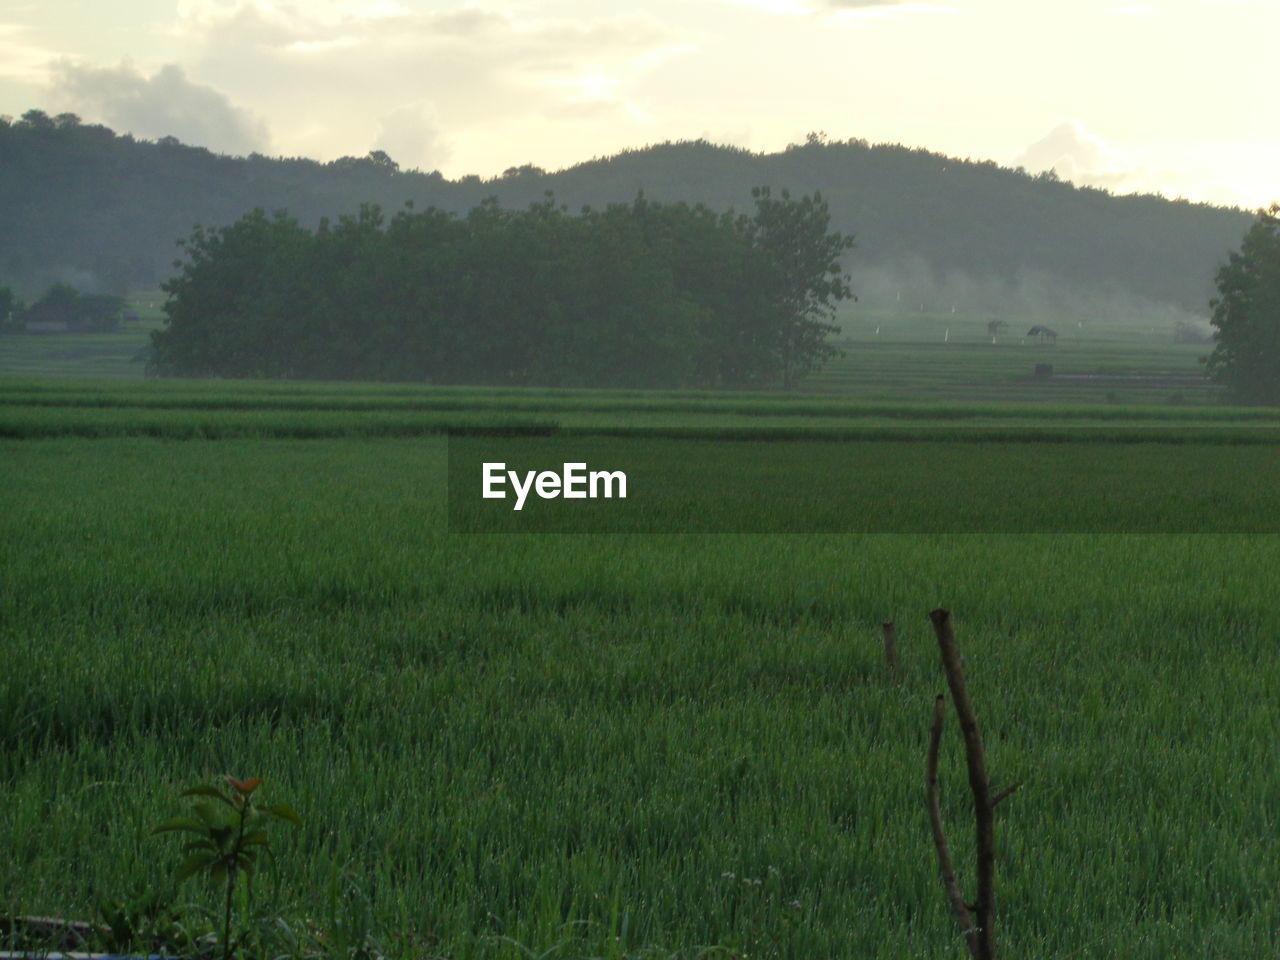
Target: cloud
339 81
810 7
588 108
164 104
1085 159
787 8
411 136
450 49
469 21
860 12
20 59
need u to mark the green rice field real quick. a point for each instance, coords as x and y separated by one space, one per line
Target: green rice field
651 745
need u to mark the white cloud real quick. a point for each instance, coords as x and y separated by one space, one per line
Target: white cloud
164 104
867 4
200 14
20 59
410 135
481 70
790 8
1085 159
843 8
857 12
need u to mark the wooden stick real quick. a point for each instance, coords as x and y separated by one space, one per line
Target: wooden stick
65 934
945 866
975 759
890 645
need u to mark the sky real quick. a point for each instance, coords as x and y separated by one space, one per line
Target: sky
1170 96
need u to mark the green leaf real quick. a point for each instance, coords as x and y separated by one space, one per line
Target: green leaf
195 845
193 864
282 811
204 790
211 815
189 824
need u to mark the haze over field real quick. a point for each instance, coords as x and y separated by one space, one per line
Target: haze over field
1166 96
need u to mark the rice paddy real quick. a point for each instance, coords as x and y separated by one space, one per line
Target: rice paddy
632 745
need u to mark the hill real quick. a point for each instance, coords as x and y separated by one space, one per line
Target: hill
81 203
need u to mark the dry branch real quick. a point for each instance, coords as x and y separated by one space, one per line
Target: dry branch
945 866
1007 791
982 947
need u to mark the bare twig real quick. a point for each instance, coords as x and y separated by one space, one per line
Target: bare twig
945 866
890 645
1007 791
984 905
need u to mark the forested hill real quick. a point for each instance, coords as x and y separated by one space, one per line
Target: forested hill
80 203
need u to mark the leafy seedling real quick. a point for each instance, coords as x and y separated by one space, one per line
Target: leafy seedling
230 833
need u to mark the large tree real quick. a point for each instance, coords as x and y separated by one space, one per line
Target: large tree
802 279
1246 314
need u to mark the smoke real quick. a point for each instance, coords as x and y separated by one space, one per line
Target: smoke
166 104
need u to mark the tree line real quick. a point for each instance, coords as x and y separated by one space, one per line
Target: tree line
643 294
62 306
77 198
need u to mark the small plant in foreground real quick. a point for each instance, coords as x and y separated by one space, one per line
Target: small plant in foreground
142 921
230 832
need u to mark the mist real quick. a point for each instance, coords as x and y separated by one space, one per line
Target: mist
912 287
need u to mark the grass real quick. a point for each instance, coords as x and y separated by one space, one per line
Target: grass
117 355
556 739
633 745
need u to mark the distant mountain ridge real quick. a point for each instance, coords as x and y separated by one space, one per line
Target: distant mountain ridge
81 203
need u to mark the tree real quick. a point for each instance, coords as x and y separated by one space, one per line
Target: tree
37 120
639 295
1246 313
241 302
382 161
80 312
801 278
